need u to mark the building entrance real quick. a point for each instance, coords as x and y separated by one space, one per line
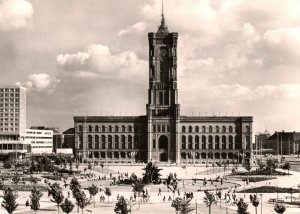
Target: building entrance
163 148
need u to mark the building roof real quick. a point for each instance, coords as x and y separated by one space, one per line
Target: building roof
69 131
82 119
285 136
215 119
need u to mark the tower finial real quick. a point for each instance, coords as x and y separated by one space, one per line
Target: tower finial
163 27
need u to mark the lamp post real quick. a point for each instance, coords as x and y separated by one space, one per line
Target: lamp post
196 205
261 203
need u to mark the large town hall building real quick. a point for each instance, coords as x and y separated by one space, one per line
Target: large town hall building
163 134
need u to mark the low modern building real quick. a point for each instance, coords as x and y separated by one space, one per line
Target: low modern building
260 141
13 122
283 143
163 134
41 141
65 140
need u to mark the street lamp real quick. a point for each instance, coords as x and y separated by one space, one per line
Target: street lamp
261 202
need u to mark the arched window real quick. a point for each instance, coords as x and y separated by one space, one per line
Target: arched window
109 138
90 128
183 128
230 141
248 129
103 129
130 138
158 128
190 142
80 128
116 128
197 142
162 128
154 128
103 145
103 138
153 144
224 129
90 138
230 129
223 142
190 129
217 142
210 129
116 138
217 129
210 142
197 129
203 129
203 140
96 138
96 128
110 128
123 128
183 146
160 95
168 128
130 128
116 145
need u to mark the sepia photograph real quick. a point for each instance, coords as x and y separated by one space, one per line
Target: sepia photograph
150 106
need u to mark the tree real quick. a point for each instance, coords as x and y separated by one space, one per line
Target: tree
57 195
67 206
122 206
7 164
81 200
9 200
70 164
255 203
151 174
1 184
16 179
271 165
75 188
77 166
287 166
35 197
242 207
138 187
93 190
209 199
172 183
107 192
279 208
248 167
133 178
182 205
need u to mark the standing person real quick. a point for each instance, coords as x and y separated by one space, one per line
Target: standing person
159 191
164 198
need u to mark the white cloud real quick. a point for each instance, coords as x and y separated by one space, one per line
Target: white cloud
136 28
97 59
14 14
40 82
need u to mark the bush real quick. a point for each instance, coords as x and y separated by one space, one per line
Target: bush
257 179
270 189
7 165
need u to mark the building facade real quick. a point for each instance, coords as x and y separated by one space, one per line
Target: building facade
41 141
282 143
13 122
163 134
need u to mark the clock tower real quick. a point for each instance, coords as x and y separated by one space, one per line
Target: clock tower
163 110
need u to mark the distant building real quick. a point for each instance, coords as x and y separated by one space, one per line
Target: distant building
66 140
41 141
13 122
283 143
163 134
260 141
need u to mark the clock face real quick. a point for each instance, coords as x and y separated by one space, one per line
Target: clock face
163 52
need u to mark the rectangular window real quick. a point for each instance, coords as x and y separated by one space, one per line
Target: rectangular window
154 144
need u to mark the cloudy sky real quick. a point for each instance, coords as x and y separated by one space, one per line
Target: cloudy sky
79 57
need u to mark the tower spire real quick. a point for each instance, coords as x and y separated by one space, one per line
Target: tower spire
163 28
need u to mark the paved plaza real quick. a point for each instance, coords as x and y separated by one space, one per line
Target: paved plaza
185 175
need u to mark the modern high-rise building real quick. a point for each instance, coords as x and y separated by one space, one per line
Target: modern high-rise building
12 121
163 134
